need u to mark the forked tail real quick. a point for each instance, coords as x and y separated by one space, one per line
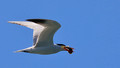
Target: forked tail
21 51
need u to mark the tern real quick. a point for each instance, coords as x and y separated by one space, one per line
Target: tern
43 32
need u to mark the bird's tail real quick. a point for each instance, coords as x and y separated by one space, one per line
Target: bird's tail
19 51
24 50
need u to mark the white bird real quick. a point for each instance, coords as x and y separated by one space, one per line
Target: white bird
43 32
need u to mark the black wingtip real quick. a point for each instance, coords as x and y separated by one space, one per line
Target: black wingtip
37 20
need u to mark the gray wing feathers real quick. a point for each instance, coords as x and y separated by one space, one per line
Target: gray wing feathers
25 23
31 25
43 30
45 36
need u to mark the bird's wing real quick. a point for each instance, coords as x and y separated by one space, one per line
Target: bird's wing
36 28
43 30
31 25
44 37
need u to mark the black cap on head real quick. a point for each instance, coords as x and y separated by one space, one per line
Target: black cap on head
61 44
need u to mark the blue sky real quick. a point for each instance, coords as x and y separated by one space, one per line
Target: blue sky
92 27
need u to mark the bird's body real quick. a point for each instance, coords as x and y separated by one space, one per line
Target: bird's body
42 50
42 36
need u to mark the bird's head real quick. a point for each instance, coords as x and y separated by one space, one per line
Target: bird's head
66 48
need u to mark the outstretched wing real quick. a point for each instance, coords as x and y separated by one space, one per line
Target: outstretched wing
43 30
45 37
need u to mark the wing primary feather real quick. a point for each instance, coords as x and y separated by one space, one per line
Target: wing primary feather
31 25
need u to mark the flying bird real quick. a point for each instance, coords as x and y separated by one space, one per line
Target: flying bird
43 32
